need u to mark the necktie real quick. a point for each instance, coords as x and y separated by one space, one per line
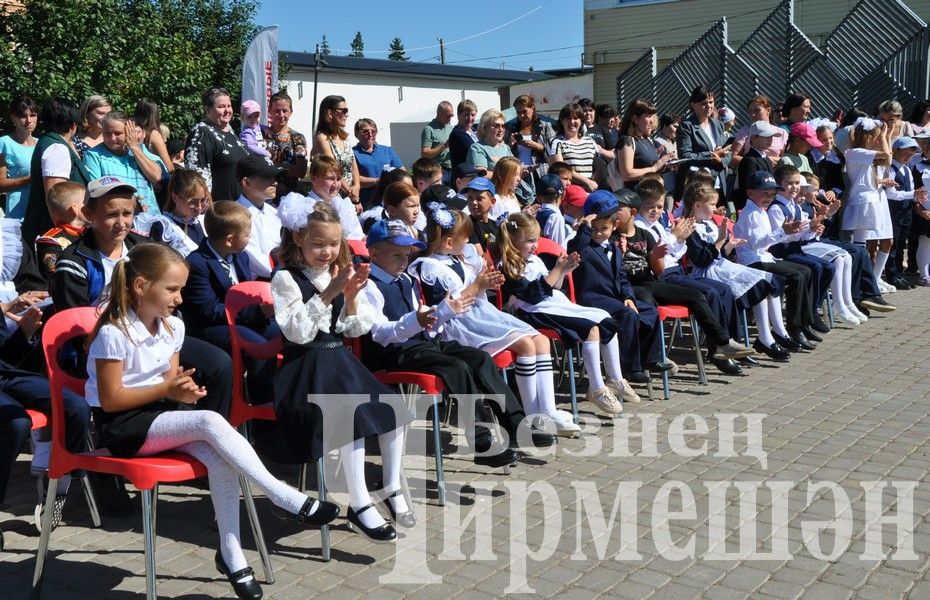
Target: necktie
228 268
406 289
658 230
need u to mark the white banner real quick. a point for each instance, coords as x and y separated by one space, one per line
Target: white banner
260 69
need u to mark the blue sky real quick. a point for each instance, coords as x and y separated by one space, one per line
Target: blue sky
538 28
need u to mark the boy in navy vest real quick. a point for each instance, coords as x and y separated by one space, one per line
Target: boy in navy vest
403 338
552 223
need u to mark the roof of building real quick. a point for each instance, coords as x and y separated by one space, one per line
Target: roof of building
380 65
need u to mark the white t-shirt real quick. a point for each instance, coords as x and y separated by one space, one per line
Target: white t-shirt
56 161
110 263
146 357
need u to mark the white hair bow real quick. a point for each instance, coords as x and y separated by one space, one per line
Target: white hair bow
294 210
867 123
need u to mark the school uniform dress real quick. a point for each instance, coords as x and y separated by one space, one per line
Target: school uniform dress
866 211
755 227
803 248
718 293
317 363
748 285
145 357
601 282
534 301
184 235
483 326
397 342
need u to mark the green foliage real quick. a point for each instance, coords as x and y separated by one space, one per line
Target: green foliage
166 50
358 46
324 47
397 50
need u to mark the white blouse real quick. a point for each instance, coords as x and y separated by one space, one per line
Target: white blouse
300 321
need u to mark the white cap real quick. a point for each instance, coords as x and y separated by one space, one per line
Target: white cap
764 129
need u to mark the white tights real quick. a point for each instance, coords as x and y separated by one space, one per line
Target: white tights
841 285
353 465
768 319
923 256
207 436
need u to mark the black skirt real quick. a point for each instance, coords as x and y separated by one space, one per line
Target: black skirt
328 372
123 433
760 291
572 330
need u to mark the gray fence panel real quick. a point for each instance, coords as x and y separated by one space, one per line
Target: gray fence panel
767 50
638 81
701 64
828 89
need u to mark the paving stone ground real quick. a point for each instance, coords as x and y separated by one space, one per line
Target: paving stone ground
855 411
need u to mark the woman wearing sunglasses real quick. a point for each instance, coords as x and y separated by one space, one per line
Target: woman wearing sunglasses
331 139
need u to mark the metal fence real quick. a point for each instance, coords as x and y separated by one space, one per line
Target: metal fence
879 51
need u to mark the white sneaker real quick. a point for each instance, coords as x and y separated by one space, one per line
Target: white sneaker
624 391
565 425
848 316
885 287
605 400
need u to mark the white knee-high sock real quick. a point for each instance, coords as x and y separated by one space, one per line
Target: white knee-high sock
847 282
545 385
776 321
525 371
761 313
838 283
880 259
591 356
392 452
353 465
923 256
610 356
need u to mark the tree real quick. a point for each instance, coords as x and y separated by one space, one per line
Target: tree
358 46
167 50
324 47
397 50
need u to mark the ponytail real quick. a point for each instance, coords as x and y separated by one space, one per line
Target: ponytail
512 264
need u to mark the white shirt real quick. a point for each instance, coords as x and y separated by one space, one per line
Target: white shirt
897 194
753 225
676 249
777 218
146 357
351 227
56 161
266 236
503 205
110 263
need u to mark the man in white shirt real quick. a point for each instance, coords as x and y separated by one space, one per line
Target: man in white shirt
257 177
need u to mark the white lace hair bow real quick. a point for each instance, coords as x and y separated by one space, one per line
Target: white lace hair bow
821 122
867 123
294 210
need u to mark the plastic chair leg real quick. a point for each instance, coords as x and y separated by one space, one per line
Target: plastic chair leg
666 394
154 509
437 442
42 550
91 500
148 535
698 355
256 529
829 301
302 478
570 357
324 530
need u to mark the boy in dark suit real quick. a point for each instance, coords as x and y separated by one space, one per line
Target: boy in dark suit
215 266
761 134
601 282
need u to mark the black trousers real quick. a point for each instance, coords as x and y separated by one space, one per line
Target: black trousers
901 217
798 297
214 372
664 293
464 370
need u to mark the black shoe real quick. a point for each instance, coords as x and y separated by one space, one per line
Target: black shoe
817 324
727 366
903 284
787 343
379 535
324 514
502 459
638 377
863 310
800 337
542 439
112 498
878 304
243 580
406 519
775 351
811 335
662 367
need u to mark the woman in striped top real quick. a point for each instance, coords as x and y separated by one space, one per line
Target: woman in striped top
574 149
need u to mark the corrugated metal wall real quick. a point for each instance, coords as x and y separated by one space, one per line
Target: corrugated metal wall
878 51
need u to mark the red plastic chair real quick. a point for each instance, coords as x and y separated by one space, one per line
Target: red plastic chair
358 247
678 313
144 473
239 297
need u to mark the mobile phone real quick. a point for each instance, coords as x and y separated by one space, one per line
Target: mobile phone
729 142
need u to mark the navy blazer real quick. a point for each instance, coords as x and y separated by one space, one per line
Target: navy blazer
206 289
753 161
599 282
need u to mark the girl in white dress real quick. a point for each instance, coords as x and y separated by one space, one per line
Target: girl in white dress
534 293
451 267
867 214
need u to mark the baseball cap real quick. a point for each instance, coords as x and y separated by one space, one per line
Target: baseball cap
99 188
575 195
604 203
442 194
549 185
904 142
726 115
807 133
467 169
922 135
394 231
764 129
250 107
762 180
481 184
254 165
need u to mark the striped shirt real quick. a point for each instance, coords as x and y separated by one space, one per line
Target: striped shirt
578 155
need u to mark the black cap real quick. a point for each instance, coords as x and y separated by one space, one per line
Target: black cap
442 194
467 169
549 185
256 166
629 197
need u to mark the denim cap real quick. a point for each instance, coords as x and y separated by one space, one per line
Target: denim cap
392 230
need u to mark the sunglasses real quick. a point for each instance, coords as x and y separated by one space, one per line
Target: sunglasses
341 111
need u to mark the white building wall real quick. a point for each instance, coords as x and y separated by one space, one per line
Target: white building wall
399 104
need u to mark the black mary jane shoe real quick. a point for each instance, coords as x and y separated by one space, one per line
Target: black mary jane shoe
775 351
818 325
324 514
787 343
407 520
243 581
800 336
379 535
